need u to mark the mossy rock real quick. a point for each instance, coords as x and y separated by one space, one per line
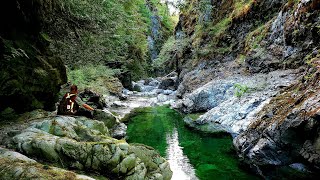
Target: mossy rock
90 150
30 80
17 166
106 117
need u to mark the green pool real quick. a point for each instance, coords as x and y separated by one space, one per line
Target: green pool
191 155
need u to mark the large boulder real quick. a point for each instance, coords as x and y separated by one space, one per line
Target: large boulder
85 144
117 129
137 87
208 96
168 83
126 79
106 117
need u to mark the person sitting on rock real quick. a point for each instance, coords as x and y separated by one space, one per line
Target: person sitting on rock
71 104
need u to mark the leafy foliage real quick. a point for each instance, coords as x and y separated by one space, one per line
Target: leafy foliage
92 77
167 21
240 90
171 48
102 32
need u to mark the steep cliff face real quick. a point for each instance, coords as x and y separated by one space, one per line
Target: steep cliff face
252 65
286 131
30 74
245 36
158 32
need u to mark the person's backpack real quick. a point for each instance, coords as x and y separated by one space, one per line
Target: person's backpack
68 105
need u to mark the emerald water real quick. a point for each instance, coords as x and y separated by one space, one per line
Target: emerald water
191 155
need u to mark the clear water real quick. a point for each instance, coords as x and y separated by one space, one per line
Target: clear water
191 155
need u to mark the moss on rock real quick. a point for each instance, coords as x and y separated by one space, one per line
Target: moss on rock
14 165
85 144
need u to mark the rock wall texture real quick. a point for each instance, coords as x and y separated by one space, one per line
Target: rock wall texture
286 131
30 74
244 37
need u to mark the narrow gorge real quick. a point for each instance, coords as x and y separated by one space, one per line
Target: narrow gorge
181 89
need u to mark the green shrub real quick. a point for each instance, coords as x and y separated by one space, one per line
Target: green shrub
99 32
254 38
92 77
170 49
220 27
240 90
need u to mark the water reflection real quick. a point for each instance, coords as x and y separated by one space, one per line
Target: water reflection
179 163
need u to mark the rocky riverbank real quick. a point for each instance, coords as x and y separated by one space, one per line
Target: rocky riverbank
59 143
232 103
252 68
80 144
149 92
274 122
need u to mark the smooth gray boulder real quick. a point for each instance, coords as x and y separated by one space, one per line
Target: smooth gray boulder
137 87
208 96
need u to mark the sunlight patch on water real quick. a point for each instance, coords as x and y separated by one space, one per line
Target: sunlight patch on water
179 163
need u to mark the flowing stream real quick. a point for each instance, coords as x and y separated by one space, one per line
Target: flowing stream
191 155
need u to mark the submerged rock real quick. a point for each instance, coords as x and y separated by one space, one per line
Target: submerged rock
85 144
212 128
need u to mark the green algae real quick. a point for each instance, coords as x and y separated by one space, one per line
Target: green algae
212 157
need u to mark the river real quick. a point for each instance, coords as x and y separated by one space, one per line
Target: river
191 155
